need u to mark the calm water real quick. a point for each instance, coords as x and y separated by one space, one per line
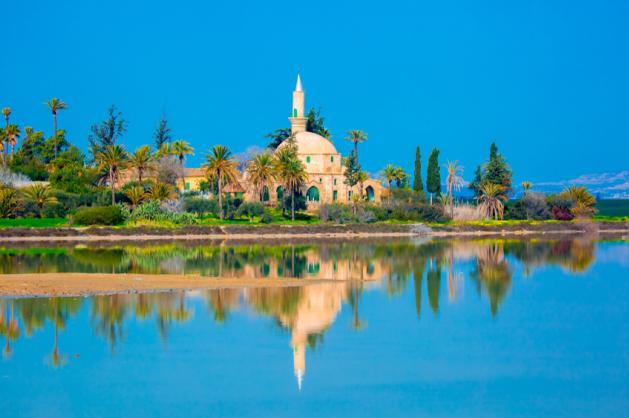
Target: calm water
485 328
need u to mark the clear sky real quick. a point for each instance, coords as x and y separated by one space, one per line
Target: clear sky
548 80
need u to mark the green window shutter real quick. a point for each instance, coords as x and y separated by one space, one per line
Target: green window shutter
335 182
331 158
187 186
308 159
335 195
294 113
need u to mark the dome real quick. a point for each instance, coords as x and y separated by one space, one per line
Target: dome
311 143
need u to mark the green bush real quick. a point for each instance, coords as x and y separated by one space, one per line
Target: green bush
200 206
153 211
250 210
266 217
531 207
336 212
99 215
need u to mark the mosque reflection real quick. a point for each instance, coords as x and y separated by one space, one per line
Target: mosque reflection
335 275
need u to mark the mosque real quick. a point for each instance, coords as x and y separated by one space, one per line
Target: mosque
326 180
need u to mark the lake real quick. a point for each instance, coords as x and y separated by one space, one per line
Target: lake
384 328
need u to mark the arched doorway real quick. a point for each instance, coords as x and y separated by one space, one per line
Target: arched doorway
265 194
312 195
371 196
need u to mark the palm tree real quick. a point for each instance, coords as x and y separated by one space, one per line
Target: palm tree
163 151
12 133
136 195
142 160
362 178
221 166
161 191
400 176
389 173
55 105
113 158
291 172
454 181
261 172
40 195
181 148
356 136
6 111
490 199
584 202
526 185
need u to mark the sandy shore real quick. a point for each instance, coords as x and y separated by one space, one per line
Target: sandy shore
81 284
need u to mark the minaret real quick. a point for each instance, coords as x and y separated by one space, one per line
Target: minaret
297 119
299 362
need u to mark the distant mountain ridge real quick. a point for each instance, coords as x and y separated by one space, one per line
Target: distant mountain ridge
603 185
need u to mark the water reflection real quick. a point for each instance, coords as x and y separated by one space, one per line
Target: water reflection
305 311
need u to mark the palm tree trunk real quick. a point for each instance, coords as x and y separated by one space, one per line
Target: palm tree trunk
140 175
292 204
356 150
183 174
220 199
54 133
113 187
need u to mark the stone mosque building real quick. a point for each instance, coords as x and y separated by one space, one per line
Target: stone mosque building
323 163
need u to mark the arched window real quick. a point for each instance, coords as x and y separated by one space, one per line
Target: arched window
294 113
370 194
313 194
280 193
265 194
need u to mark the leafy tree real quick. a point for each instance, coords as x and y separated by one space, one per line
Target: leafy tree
494 171
29 158
316 123
11 134
277 137
107 132
136 195
433 178
526 186
9 202
220 165
352 170
356 137
113 158
160 191
418 183
55 105
162 133
68 171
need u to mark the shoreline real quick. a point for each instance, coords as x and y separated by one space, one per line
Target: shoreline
318 231
39 285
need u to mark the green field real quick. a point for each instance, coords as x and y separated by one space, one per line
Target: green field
613 207
32 222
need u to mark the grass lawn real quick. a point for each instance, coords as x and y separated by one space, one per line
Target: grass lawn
32 222
613 207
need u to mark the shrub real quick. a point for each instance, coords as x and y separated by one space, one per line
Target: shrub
532 206
266 217
584 204
153 211
200 206
336 212
560 207
9 202
99 215
250 210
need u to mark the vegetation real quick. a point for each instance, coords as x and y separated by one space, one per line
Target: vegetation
99 215
221 166
418 183
433 180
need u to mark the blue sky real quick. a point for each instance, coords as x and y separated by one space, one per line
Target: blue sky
547 80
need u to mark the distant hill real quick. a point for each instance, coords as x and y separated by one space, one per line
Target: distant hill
602 185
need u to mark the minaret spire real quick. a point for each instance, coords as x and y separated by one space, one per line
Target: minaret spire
297 119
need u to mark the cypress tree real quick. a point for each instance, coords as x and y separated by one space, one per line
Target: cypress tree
496 170
418 184
433 177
